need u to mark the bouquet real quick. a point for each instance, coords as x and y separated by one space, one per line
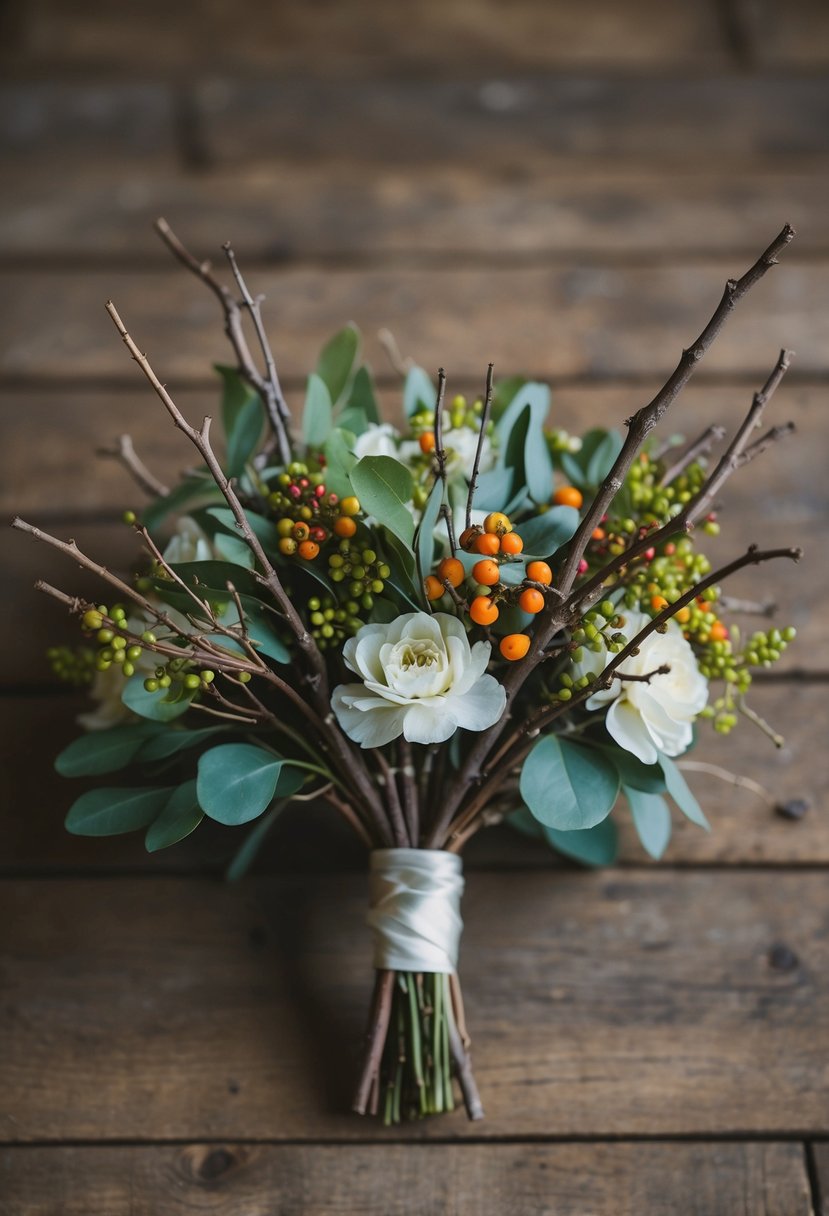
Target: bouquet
429 627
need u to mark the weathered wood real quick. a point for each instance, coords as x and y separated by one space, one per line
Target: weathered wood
34 728
396 1180
775 35
820 1157
456 211
369 35
567 320
656 1003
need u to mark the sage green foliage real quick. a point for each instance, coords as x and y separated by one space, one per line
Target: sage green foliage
588 467
180 816
651 818
243 418
109 812
384 486
236 782
105 751
567 786
318 414
596 846
336 361
678 789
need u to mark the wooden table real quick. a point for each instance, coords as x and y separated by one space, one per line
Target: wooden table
562 189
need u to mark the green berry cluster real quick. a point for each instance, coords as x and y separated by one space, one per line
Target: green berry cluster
180 672
74 666
331 623
655 503
599 630
358 573
109 628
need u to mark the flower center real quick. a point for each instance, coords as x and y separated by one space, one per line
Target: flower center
418 654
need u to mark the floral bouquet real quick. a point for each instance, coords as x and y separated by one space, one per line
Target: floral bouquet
429 628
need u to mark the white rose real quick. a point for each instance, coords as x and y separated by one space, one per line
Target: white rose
461 443
648 718
420 679
379 439
189 543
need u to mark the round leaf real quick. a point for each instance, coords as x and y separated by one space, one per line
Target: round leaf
180 816
566 786
238 781
384 486
153 705
652 819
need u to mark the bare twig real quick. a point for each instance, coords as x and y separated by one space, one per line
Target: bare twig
700 447
386 779
411 810
473 480
646 677
236 335
378 1028
765 441
729 603
724 774
124 451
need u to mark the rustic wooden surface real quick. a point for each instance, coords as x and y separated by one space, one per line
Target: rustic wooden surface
563 190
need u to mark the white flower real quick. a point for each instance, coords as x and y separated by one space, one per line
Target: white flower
105 690
420 679
649 718
379 439
461 443
189 543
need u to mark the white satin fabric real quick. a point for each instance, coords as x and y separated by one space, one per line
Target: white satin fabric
414 897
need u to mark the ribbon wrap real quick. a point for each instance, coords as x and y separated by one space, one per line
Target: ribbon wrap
414 914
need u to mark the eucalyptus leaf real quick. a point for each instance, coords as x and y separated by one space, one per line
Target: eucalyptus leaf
597 846
236 782
418 392
104 751
243 438
544 534
361 397
168 743
568 786
192 490
638 776
340 460
336 361
384 486
157 706
317 415
651 818
234 549
262 528
181 816
425 536
493 489
681 794
109 812
253 842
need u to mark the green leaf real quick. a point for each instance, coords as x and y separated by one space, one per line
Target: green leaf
109 812
588 467
425 536
243 439
361 398
340 460
418 392
238 781
681 794
317 416
104 751
235 392
637 776
192 490
384 486
493 489
544 534
234 549
167 743
261 527
336 361
652 819
253 842
154 705
596 846
504 394
567 786
180 816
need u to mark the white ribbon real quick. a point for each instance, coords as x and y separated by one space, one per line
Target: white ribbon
414 897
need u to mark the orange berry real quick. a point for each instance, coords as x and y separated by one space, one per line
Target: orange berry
511 543
515 645
486 573
568 496
683 616
658 602
718 632
427 442
488 544
599 534
539 572
300 531
309 549
468 537
433 587
531 600
483 611
451 570
497 523
345 526
350 505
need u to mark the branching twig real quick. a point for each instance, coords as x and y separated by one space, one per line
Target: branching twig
700 447
473 480
277 414
124 451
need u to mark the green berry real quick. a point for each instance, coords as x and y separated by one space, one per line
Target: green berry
92 619
151 685
191 682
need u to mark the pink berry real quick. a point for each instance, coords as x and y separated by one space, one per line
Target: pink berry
582 566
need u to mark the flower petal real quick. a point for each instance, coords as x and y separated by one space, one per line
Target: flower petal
481 706
626 726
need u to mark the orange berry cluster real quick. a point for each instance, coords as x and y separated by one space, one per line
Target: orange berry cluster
497 540
307 515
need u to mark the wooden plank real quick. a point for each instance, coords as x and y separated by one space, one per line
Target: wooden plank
450 211
370 35
651 1003
34 728
567 320
820 1156
330 1180
794 35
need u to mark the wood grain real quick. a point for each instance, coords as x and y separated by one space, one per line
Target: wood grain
396 1180
609 1004
568 320
820 1155
745 829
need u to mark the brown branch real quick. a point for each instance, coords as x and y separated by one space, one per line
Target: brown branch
700 447
463 1071
387 781
378 1028
234 330
473 480
765 441
129 458
411 810
646 677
